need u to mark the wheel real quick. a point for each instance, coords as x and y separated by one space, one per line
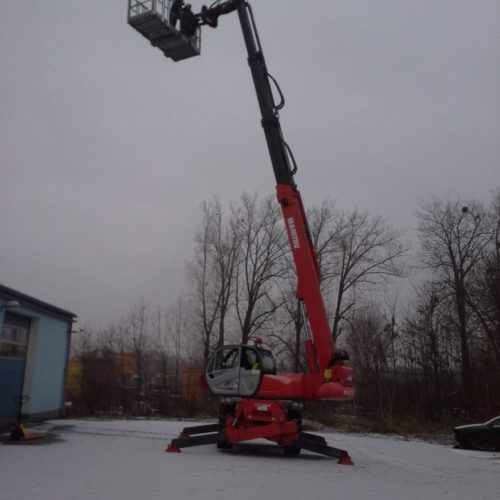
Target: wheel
296 415
470 441
225 409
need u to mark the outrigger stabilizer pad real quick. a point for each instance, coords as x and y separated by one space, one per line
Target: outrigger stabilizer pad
171 448
19 433
345 460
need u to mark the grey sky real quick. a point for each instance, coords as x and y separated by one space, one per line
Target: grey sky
107 148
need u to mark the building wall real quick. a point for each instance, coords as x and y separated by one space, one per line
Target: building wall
46 362
46 365
14 339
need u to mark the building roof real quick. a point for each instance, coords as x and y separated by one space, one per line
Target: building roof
7 293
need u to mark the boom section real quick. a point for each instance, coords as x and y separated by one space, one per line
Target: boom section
269 112
321 353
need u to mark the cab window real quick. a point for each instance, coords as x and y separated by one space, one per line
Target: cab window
269 365
249 359
229 358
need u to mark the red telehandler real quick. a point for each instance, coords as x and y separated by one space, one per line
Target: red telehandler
255 401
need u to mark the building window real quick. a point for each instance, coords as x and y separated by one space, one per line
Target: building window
14 336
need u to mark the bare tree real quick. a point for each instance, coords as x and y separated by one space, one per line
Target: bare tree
211 274
261 264
369 340
327 225
484 296
137 336
82 341
429 348
176 316
226 245
354 251
93 385
161 348
286 333
453 237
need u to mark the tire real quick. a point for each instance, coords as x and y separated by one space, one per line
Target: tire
224 411
470 442
295 415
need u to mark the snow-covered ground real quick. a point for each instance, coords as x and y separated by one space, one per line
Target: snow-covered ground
88 459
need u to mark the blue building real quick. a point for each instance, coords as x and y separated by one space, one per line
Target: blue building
34 350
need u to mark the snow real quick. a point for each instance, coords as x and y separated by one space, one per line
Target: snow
118 459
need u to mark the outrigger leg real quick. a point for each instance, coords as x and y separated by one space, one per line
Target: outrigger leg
197 436
318 444
212 434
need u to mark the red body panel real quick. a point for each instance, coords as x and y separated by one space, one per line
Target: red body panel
309 386
261 419
308 283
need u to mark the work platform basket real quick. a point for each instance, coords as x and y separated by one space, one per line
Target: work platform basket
151 18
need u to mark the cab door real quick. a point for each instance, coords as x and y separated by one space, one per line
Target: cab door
234 371
223 371
250 372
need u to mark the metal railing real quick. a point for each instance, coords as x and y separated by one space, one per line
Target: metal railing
159 7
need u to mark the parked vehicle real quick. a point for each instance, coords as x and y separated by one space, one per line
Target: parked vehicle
484 436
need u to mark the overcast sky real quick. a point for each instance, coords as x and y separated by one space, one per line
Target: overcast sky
107 148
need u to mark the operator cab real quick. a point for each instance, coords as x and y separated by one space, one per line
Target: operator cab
151 18
237 370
